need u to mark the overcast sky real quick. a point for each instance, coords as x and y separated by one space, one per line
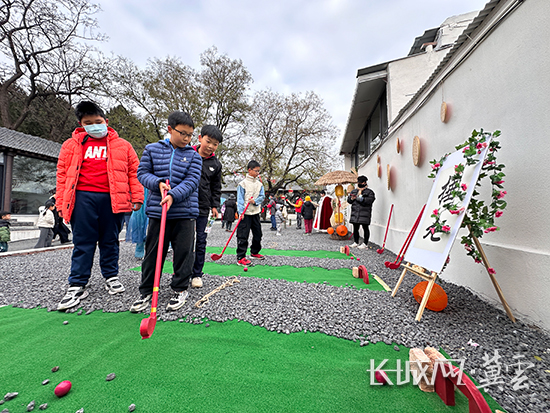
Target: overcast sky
287 45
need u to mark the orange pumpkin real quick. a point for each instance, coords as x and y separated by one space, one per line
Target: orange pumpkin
438 297
341 230
330 230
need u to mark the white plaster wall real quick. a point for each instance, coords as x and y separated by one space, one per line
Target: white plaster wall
406 76
503 85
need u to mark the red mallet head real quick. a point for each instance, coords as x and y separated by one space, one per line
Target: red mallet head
245 269
381 376
62 388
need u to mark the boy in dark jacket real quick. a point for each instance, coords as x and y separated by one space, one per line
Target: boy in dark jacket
361 201
5 235
173 160
210 190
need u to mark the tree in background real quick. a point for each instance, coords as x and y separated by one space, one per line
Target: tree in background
292 137
44 55
132 128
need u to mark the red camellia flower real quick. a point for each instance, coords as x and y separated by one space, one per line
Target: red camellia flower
446 228
464 187
491 270
498 214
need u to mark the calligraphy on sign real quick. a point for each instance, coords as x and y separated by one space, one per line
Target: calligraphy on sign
430 250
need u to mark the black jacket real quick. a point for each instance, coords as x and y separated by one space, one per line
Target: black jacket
210 185
230 210
307 210
361 208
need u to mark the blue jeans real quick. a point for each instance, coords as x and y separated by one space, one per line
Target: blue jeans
273 222
200 246
93 222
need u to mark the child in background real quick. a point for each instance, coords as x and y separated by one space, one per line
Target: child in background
5 235
46 222
280 218
308 213
176 160
250 189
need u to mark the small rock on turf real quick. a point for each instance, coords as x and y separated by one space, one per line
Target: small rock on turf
45 382
54 369
110 376
43 406
132 407
30 406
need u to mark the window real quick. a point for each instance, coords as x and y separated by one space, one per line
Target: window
32 180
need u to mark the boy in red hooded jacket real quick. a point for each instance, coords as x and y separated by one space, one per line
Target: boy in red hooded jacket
96 184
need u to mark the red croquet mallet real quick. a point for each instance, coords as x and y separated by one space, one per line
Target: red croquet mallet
405 247
147 325
216 257
381 250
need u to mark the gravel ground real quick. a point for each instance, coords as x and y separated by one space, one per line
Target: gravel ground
287 307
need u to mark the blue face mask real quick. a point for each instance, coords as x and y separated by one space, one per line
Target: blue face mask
97 130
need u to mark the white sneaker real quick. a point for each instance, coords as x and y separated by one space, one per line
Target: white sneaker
72 298
363 246
196 282
177 301
354 245
141 303
114 286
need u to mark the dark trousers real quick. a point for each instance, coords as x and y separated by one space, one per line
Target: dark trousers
94 223
298 220
366 233
249 222
228 225
179 232
45 238
200 246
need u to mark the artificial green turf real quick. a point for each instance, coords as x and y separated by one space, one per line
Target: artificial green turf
227 367
288 253
338 278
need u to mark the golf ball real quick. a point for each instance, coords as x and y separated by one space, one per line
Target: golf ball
245 269
63 388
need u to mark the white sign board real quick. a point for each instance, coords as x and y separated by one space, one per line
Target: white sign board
431 250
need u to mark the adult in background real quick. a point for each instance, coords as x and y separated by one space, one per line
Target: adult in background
361 200
230 212
298 208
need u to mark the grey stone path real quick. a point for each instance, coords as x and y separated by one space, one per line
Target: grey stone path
364 316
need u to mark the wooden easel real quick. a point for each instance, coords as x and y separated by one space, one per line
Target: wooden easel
427 277
433 276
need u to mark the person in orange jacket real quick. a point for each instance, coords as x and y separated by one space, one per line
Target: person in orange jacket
298 208
96 184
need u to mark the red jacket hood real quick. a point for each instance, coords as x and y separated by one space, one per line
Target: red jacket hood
196 148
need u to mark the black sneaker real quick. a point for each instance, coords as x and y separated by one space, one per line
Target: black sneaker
72 297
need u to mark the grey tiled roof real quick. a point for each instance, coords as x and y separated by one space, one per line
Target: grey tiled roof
30 145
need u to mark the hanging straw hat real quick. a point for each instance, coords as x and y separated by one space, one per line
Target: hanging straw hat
337 177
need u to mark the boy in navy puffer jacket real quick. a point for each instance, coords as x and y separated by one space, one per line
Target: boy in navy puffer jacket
173 160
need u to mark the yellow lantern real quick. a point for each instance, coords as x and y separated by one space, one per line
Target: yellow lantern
339 191
338 217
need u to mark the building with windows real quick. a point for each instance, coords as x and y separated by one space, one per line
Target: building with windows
27 171
487 69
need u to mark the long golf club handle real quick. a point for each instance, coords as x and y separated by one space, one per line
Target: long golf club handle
160 250
411 233
388 225
236 225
